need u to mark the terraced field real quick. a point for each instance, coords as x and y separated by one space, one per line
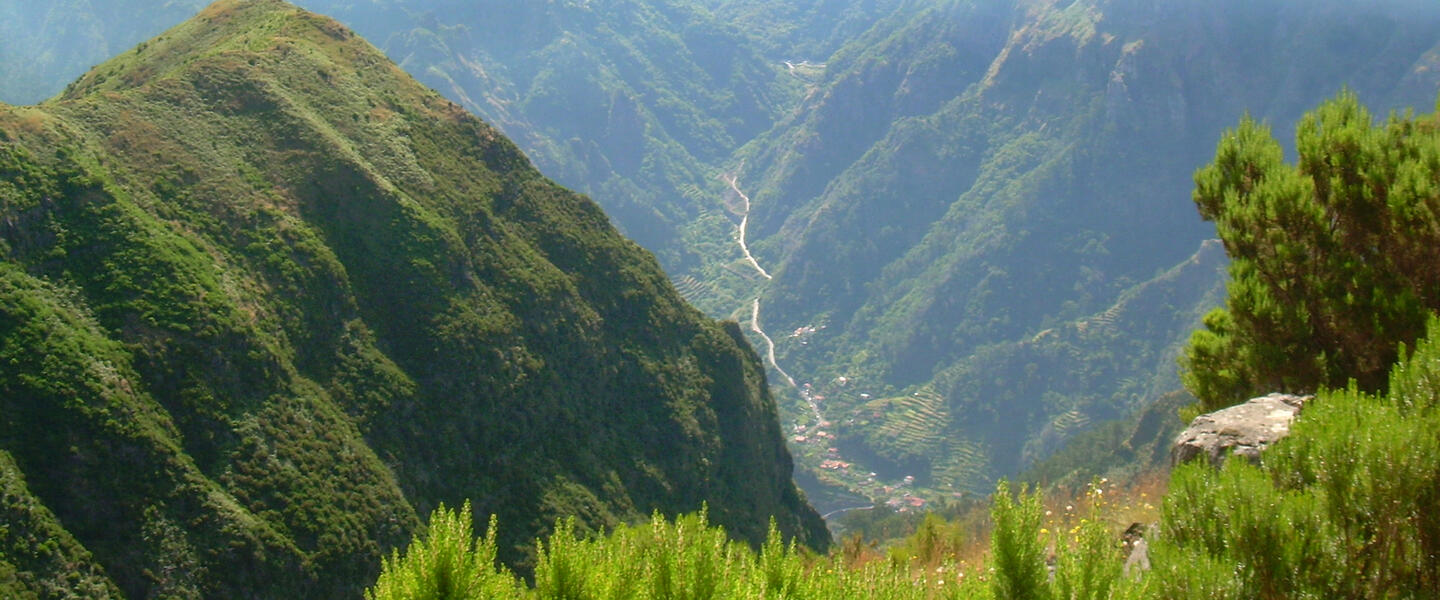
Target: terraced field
914 425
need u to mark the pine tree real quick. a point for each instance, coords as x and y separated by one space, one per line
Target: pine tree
1333 260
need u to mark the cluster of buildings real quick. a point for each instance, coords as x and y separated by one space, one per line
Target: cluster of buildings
900 499
805 435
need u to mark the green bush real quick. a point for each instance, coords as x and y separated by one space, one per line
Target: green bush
934 540
1088 564
1343 508
447 563
684 558
1017 553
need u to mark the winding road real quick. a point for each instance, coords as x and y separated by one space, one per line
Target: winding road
842 511
744 221
770 347
805 394
732 180
755 304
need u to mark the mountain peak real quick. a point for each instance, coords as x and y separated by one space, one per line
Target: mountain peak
302 49
264 299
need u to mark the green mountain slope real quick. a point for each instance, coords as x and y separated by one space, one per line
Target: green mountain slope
931 185
969 176
632 102
265 299
638 104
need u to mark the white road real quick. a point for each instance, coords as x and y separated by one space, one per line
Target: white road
769 344
744 221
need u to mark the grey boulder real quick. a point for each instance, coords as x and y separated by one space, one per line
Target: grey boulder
1243 430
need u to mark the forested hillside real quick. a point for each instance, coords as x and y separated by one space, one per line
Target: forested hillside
264 300
1335 500
968 224
970 180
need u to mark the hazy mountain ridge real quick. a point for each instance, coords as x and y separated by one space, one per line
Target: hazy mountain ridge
44 45
631 102
1051 175
266 298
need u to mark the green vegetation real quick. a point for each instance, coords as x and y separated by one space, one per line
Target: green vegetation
1343 508
681 559
986 203
638 104
447 563
263 302
1332 260
982 201
690 558
1017 552
264 299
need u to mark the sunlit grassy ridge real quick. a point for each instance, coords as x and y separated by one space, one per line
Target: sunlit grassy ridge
263 299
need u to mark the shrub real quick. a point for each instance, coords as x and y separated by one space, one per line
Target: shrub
1017 553
1343 508
447 563
1332 260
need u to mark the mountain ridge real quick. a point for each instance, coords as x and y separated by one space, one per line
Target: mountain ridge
270 299
940 181
1045 173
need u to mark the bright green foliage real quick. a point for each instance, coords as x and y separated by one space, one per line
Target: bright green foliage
446 563
1332 260
1017 551
1343 508
684 559
1087 565
935 539
1331 517
660 559
689 558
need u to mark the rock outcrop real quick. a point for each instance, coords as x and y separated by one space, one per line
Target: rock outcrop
1244 430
